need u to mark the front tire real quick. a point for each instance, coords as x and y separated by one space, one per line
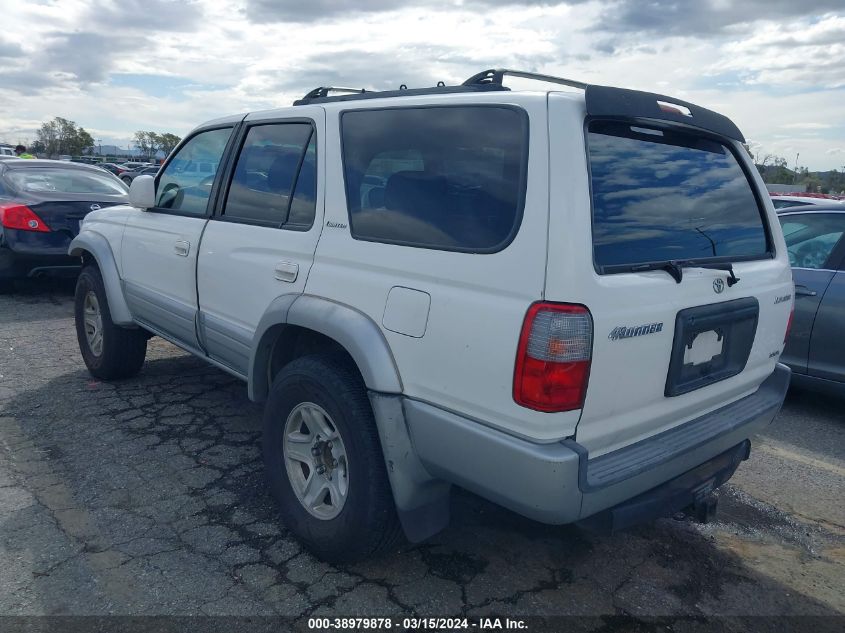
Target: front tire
110 352
324 462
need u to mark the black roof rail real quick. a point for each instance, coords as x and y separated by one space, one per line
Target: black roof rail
323 92
494 76
321 95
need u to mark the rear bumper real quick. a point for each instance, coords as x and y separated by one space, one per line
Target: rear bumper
16 265
559 483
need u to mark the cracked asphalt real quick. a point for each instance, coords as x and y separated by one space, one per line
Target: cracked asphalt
147 497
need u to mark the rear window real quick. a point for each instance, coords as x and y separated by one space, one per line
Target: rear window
660 195
59 180
448 178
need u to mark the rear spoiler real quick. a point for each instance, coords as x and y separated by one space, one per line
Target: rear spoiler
604 101
619 102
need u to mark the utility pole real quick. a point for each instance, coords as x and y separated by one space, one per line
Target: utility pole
795 177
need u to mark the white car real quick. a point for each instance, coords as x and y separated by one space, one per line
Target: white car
789 202
570 302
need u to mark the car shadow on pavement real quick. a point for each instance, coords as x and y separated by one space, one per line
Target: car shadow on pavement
53 296
147 496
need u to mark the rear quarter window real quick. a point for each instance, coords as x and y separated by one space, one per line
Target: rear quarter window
661 195
447 178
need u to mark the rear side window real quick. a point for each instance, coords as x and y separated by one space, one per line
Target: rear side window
448 178
268 171
660 195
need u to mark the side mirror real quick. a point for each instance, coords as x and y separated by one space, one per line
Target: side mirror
142 192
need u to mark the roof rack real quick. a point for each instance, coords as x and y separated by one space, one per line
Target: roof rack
323 92
320 95
494 76
488 80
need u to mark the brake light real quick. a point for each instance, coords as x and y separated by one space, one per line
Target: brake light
553 357
21 218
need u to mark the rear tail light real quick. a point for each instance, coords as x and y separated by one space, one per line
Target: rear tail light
789 323
553 358
21 218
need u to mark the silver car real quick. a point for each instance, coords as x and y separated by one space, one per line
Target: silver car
815 349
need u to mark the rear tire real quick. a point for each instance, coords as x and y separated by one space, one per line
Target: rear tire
110 352
324 461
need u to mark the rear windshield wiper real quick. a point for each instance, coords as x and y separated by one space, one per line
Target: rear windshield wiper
672 267
675 268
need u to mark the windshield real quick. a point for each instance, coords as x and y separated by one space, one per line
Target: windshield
59 180
661 195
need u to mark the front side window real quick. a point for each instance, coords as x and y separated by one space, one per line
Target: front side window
661 195
811 237
276 161
185 184
450 178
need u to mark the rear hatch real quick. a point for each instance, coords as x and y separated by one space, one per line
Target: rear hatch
668 243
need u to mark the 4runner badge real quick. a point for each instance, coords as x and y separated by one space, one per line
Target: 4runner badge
639 330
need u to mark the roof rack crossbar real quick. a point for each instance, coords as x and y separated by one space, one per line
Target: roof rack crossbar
323 91
496 75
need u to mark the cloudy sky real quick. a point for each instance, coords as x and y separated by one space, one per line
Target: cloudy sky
777 67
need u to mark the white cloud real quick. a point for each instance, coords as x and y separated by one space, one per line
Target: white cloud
81 59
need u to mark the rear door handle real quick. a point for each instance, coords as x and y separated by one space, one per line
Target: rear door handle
804 291
287 271
182 248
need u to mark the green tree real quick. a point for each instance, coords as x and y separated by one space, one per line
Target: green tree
62 136
147 143
167 142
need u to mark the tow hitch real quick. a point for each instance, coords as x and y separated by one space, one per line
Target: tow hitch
703 509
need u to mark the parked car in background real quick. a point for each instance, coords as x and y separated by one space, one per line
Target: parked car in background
7 150
790 201
134 164
815 349
113 168
130 175
42 203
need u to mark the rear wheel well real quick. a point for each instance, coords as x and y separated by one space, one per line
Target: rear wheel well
295 342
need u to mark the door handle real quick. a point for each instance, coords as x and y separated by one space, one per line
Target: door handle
287 271
182 248
804 291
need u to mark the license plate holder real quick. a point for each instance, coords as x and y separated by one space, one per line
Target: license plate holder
726 330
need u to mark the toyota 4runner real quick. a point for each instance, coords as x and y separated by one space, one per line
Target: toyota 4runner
570 302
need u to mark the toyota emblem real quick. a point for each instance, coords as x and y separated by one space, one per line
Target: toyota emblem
718 285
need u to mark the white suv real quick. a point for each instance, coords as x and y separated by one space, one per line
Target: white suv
570 302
